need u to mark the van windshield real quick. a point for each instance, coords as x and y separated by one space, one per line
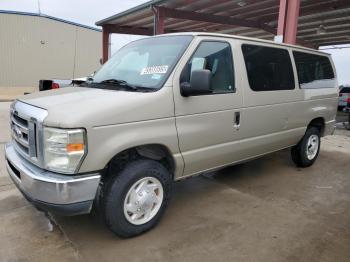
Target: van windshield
142 64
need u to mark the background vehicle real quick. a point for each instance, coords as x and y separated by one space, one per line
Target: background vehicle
162 109
48 84
346 109
344 96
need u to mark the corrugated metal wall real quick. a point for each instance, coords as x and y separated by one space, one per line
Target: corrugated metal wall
33 48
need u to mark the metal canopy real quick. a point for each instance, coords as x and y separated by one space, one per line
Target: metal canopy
320 22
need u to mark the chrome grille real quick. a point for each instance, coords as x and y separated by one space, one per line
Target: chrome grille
23 134
27 131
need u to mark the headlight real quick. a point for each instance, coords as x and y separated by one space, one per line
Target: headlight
64 149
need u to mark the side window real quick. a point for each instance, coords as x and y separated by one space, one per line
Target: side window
313 70
268 68
216 57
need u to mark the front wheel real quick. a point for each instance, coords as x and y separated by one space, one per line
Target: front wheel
306 151
136 198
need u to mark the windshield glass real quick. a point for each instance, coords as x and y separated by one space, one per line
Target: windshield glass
144 63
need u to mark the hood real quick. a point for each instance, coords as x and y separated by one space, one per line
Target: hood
91 107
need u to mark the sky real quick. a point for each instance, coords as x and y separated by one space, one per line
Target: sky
87 12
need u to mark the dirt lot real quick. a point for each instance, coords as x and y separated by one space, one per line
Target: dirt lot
264 210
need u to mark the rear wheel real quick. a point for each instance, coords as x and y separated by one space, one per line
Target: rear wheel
306 151
136 198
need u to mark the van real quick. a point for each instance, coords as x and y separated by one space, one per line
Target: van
344 97
162 109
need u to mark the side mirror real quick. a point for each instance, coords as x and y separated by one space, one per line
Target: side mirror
199 84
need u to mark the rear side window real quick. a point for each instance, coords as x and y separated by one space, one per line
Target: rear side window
216 57
268 68
313 70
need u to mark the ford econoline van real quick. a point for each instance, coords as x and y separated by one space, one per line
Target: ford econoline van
162 109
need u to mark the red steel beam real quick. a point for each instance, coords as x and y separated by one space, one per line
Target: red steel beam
232 10
258 9
159 17
313 8
117 29
252 10
120 29
290 35
288 20
282 15
105 44
195 16
204 7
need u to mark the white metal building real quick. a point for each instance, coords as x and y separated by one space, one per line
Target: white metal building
34 47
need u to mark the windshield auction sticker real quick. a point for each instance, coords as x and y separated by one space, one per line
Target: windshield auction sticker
154 70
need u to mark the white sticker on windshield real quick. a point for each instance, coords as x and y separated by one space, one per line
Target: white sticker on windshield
154 70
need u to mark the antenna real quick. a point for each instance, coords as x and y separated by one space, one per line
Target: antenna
39 11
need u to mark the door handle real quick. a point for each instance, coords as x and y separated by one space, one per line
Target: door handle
237 120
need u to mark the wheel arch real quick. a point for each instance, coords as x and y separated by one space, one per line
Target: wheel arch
318 122
157 152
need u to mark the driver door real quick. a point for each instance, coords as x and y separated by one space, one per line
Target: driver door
208 125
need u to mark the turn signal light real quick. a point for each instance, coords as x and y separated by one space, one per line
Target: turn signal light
74 148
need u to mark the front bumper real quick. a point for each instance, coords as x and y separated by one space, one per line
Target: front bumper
60 194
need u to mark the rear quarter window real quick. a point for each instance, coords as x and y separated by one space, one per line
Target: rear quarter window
314 71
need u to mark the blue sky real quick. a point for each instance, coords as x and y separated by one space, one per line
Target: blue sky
89 11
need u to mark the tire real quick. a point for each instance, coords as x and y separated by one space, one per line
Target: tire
304 154
121 196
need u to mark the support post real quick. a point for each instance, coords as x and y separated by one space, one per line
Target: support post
282 18
288 20
158 25
105 44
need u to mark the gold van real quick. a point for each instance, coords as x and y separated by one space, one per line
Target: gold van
164 108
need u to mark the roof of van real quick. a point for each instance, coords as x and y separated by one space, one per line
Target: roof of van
248 39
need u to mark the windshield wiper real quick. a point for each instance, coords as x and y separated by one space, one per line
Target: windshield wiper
119 82
116 84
